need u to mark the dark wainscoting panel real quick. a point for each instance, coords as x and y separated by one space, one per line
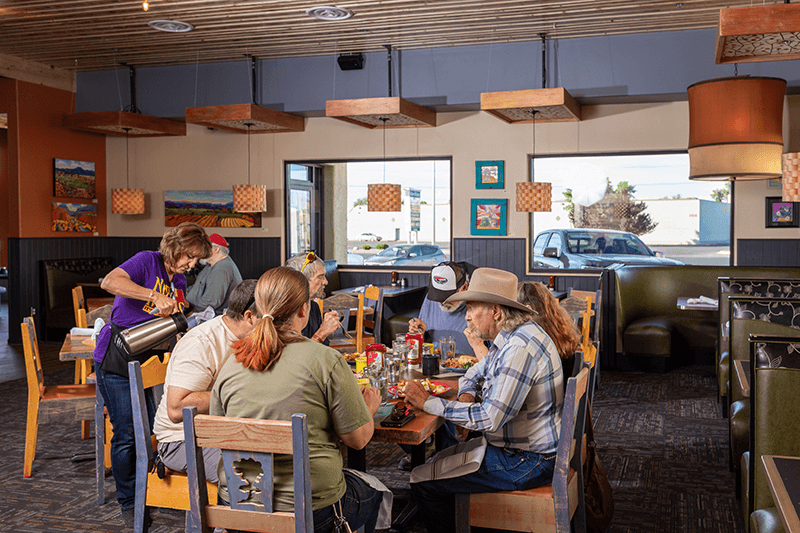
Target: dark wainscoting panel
252 255
505 254
768 252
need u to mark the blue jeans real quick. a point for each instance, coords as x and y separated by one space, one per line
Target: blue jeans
502 469
360 505
117 396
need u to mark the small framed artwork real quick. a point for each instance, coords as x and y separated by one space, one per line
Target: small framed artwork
782 214
488 216
74 217
73 179
774 183
489 175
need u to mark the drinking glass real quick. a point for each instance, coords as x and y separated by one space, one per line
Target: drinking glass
448 347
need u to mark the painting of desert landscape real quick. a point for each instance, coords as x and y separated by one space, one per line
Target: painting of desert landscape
73 179
210 209
74 217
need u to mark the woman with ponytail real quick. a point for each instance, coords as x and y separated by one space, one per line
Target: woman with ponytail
277 372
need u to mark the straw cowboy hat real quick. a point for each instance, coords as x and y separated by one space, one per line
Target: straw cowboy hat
491 286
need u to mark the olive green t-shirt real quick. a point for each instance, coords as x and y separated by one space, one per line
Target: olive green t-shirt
308 378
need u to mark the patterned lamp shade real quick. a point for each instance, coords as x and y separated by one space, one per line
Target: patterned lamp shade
249 198
384 197
534 197
127 201
791 177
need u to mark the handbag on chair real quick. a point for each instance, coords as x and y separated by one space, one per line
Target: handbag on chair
597 490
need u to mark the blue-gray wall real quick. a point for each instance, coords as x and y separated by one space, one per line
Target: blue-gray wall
642 67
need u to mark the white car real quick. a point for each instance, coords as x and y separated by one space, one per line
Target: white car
369 237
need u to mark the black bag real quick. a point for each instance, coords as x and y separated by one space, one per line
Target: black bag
116 359
596 488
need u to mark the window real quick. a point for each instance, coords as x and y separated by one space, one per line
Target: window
302 228
418 234
630 209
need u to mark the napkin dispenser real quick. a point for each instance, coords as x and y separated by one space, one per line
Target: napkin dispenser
146 335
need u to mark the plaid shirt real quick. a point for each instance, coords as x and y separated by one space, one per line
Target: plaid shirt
522 393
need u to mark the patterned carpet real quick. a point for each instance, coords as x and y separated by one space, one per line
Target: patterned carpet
659 437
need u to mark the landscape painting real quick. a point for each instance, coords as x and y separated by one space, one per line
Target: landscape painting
73 179
74 217
210 209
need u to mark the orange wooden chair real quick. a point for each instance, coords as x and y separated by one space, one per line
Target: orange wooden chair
59 403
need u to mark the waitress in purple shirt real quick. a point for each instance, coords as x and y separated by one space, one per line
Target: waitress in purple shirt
149 283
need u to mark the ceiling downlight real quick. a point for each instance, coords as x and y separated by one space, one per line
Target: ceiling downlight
329 13
170 26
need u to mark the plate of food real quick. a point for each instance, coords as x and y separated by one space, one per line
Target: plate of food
436 388
351 357
459 364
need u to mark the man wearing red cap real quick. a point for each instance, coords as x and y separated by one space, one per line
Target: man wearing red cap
217 280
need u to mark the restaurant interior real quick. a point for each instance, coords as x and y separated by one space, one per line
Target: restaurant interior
692 416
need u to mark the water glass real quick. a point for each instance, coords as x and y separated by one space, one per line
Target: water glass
448 347
400 350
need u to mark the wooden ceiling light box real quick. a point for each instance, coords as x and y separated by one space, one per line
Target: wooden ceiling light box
758 33
368 112
236 117
551 105
122 122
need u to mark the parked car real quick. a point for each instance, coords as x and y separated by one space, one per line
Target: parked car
354 259
593 248
408 254
369 237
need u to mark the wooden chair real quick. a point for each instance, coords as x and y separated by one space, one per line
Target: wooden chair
370 304
551 507
61 403
171 492
83 367
251 504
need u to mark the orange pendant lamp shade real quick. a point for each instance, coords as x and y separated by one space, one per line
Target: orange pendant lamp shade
735 128
791 177
127 201
249 198
384 197
534 197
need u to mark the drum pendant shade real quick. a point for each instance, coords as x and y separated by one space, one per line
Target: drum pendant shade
384 197
127 201
534 197
735 128
791 177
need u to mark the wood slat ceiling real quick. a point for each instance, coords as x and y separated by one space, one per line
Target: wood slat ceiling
101 34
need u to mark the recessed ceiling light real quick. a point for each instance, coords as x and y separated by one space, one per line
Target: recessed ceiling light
329 13
171 26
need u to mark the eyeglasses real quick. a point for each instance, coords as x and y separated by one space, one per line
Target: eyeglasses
310 258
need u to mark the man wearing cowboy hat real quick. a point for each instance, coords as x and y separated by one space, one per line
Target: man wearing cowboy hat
217 280
517 407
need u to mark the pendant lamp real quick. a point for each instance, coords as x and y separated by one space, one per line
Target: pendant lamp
735 128
758 33
127 201
791 177
532 196
249 198
384 196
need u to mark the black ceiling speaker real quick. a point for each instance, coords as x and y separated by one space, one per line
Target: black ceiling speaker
351 61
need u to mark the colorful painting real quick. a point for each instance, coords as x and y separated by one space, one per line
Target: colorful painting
775 183
488 217
73 179
74 217
489 175
210 209
781 214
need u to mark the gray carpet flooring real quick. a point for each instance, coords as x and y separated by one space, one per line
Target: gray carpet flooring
659 437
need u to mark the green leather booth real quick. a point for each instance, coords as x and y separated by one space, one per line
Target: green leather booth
649 323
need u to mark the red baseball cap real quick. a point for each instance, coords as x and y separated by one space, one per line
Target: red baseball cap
218 239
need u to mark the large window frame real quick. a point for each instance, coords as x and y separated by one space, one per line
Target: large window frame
531 270
322 219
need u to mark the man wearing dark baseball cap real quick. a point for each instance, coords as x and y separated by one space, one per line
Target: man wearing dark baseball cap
438 319
216 281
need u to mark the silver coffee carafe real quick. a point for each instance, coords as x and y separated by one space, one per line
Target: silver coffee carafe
146 335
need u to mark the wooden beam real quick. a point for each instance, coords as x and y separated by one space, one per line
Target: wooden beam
758 33
32 72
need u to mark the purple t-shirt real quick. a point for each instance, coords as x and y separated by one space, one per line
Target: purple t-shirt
145 269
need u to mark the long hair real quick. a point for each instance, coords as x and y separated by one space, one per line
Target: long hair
554 319
184 238
280 293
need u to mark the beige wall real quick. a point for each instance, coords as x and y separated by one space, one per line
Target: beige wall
206 159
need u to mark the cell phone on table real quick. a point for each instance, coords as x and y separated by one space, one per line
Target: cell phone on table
399 417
